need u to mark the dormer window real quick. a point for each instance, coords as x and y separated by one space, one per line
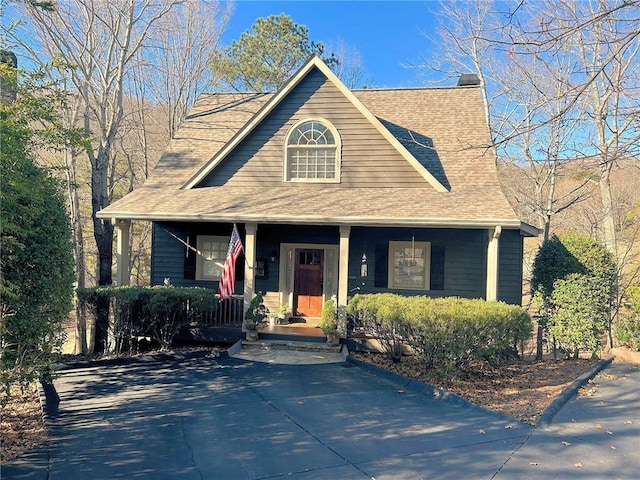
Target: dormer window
312 153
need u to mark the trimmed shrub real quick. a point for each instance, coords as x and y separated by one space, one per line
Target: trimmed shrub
446 333
158 312
585 273
628 329
449 333
581 310
383 317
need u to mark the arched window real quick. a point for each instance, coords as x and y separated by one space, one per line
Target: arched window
313 152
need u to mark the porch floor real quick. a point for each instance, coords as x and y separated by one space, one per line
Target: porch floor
293 329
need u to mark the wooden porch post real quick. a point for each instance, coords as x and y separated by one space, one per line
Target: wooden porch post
122 251
250 261
343 271
492 263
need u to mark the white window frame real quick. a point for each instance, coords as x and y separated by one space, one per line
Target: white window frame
337 147
202 256
397 247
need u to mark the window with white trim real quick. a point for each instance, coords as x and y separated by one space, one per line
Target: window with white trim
409 265
212 251
312 153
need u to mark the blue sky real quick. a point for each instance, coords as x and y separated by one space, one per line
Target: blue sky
387 34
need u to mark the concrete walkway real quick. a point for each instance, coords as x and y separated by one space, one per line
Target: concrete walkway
593 436
227 418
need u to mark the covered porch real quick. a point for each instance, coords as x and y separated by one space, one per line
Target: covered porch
302 266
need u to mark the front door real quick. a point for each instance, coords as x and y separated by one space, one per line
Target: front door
307 286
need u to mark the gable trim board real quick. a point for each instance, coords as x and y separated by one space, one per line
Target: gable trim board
313 62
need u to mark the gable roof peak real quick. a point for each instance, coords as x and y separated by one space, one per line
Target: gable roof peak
313 62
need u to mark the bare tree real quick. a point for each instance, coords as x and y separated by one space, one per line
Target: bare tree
174 68
350 68
576 79
120 62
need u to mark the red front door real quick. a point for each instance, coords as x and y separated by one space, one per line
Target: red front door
307 286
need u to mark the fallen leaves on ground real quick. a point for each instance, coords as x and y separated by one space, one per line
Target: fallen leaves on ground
522 390
21 425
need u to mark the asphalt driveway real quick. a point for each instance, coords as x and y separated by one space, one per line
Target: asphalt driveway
225 418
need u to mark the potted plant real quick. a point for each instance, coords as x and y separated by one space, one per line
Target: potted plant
284 312
255 317
329 322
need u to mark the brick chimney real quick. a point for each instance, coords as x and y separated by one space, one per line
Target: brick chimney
468 79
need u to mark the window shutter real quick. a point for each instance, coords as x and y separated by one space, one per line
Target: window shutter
437 267
190 256
240 267
382 265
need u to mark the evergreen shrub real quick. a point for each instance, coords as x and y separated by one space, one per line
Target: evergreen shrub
445 333
158 312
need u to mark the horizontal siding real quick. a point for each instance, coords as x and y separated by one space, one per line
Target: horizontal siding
510 267
168 253
464 252
259 159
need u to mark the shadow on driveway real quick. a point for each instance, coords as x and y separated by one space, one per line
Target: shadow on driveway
225 418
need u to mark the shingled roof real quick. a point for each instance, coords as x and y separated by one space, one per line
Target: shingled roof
440 131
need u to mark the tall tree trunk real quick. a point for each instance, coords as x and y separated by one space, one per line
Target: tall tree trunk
103 235
80 345
608 221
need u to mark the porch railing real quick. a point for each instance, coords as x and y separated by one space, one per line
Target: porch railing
228 313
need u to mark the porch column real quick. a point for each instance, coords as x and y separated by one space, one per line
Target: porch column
250 262
122 251
492 263
343 272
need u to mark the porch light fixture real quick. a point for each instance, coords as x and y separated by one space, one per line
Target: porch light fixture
274 256
364 271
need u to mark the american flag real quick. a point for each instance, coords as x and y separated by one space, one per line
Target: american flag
228 278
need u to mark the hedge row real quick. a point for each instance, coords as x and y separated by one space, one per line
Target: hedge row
156 312
446 333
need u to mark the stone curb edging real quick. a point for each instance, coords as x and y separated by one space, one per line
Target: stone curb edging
568 393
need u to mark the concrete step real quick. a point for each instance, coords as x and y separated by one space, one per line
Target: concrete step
289 352
267 344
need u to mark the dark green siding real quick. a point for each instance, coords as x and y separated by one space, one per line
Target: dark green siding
464 252
171 258
464 259
510 267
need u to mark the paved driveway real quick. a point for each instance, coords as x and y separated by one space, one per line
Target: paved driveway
227 418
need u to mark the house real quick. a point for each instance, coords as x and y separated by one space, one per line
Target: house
334 192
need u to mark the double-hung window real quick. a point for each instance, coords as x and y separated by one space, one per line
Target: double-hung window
212 251
409 264
312 153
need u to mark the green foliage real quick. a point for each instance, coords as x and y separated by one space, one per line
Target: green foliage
628 328
36 279
329 321
595 259
585 274
383 317
553 261
264 58
256 314
446 333
158 312
581 309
